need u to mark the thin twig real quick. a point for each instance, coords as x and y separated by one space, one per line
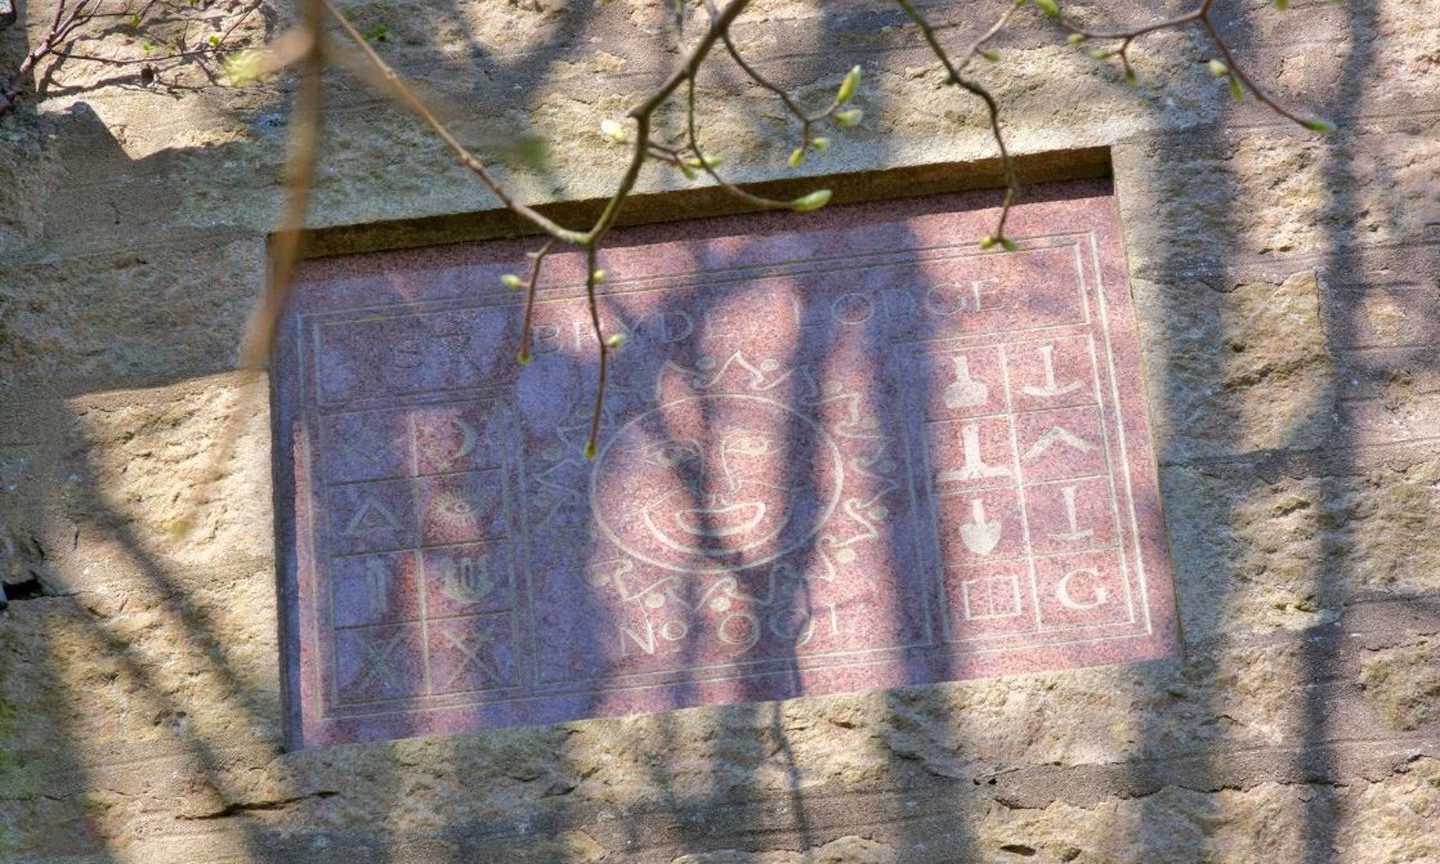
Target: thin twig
1238 72
784 95
1133 33
285 251
592 281
1201 14
709 168
411 100
64 22
642 114
538 258
299 171
375 71
953 70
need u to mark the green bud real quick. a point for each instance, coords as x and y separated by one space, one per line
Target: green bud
1008 245
1099 53
1049 7
990 54
1317 124
1236 90
988 242
591 451
814 201
1218 67
613 131
511 281
598 276
532 151
820 144
523 358
851 117
1130 76
796 157
847 87
616 340
244 67
1076 38
690 173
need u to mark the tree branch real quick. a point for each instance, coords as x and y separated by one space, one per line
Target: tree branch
992 108
1230 68
371 68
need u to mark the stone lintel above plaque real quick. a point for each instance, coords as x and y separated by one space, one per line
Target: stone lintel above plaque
840 451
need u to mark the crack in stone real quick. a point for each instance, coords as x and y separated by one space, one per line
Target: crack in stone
236 808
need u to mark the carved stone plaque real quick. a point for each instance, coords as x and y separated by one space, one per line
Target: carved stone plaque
839 451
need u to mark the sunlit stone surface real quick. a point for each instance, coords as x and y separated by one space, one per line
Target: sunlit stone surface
840 451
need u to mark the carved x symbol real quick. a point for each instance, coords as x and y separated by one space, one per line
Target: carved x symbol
380 662
470 655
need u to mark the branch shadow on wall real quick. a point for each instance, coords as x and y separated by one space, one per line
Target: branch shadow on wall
1227 459
743 756
752 759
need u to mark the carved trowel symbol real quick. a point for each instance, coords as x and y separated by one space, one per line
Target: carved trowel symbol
980 535
964 391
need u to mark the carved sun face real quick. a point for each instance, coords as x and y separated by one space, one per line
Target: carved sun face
716 482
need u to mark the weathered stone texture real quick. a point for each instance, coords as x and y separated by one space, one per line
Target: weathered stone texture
179 477
1274 550
1404 684
1288 290
144 315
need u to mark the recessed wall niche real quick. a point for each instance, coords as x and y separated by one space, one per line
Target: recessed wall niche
839 451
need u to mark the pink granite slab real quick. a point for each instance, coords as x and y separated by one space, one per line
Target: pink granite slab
841 451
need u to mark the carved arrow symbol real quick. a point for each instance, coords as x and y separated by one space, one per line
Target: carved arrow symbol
980 535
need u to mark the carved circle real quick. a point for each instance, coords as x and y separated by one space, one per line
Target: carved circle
730 501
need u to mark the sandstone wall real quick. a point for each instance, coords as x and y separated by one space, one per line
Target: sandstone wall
1289 295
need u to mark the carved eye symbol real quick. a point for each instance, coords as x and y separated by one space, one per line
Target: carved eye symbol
453 509
671 453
